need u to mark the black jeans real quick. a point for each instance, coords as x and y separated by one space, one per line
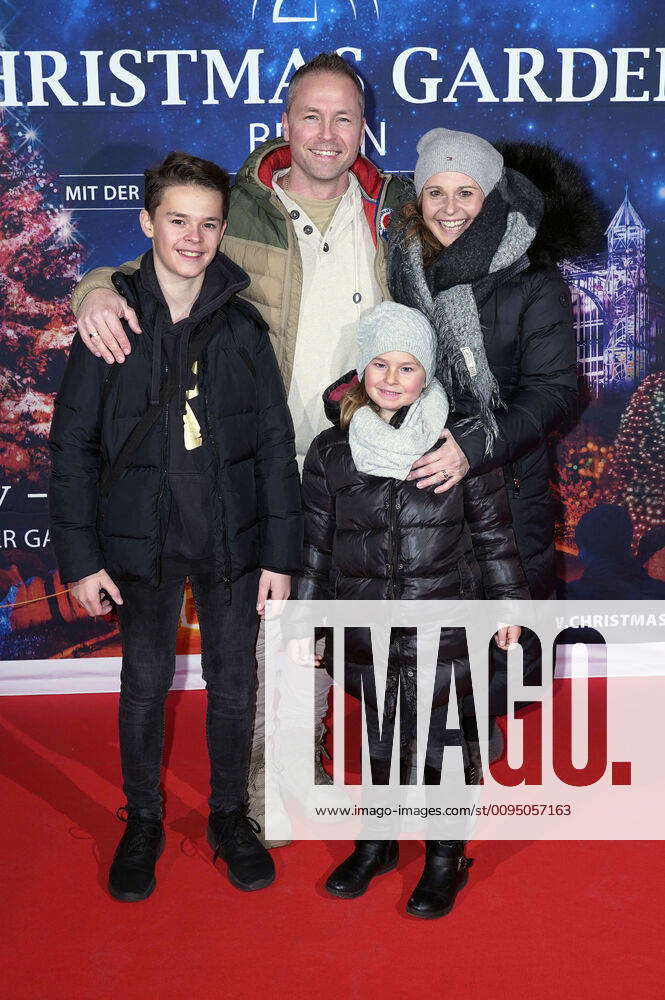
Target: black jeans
148 622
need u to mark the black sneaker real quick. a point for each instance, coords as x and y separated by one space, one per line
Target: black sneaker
132 873
233 837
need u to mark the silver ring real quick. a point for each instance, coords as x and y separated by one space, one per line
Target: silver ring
446 475
93 334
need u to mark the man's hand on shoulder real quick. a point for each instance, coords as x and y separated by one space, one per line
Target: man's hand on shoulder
100 327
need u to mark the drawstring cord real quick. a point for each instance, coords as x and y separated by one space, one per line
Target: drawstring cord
357 295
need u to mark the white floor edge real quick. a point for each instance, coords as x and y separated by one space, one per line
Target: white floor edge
88 675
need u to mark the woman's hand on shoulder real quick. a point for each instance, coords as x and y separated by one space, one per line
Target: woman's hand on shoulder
443 468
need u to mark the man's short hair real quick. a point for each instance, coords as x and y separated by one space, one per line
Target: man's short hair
183 168
326 62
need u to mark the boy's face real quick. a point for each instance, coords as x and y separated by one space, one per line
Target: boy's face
393 380
185 229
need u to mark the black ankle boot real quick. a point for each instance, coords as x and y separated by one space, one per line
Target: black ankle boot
132 873
233 837
446 871
370 858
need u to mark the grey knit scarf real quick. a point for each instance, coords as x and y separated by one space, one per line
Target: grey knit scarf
446 294
379 449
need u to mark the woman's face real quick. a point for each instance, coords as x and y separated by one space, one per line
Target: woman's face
450 203
392 380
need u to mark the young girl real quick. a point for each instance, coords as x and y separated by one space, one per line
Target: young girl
371 534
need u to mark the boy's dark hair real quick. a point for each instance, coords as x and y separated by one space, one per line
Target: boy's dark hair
183 168
325 62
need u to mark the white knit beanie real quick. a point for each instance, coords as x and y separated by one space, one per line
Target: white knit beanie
443 150
393 327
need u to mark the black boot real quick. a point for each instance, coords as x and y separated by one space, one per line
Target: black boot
370 858
233 837
446 871
132 872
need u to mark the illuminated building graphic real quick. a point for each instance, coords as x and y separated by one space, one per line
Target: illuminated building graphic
619 315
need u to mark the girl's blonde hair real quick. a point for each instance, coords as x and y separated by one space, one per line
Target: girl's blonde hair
352 401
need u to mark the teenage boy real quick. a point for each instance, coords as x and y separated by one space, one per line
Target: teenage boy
180 464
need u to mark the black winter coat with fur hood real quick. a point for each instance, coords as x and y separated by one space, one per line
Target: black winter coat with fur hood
526 321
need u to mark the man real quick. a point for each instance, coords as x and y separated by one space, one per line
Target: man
306 221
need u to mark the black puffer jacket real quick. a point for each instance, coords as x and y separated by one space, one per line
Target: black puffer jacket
256 497
526 319
372 538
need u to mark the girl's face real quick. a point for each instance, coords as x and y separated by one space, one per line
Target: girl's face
393 380
450 202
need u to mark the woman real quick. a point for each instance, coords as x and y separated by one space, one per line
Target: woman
477 251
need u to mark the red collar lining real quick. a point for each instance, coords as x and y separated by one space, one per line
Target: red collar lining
368 176
340 391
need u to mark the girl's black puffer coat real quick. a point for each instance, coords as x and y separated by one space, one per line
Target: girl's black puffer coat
372 538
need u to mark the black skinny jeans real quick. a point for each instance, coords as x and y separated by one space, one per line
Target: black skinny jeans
148 621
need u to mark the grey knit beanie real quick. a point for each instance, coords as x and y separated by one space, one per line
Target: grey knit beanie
442 150
393 327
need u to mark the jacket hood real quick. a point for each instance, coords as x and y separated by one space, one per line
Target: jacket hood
335 393
570 217
275 154
222 279
571 224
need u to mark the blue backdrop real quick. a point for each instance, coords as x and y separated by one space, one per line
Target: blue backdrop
91 93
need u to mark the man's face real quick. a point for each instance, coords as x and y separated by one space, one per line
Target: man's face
324 126
185 229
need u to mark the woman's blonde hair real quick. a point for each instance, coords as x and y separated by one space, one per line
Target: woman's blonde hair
352 401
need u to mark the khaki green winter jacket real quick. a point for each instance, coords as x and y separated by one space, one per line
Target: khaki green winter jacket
261 238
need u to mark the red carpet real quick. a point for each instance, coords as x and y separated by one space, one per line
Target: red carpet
537 920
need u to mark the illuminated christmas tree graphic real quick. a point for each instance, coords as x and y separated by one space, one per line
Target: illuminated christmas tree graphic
39 260
634 473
